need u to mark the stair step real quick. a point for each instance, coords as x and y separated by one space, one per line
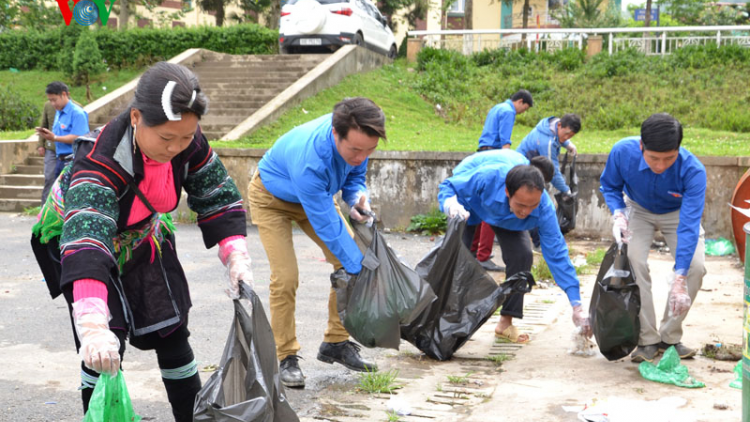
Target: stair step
246 93
27 169
22 179
214 135
248 84
216 120
21 192
232 111
18 205
35 160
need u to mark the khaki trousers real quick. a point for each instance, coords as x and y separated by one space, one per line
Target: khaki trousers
274 217
643 225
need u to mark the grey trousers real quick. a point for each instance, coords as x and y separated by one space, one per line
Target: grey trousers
643 224
50 162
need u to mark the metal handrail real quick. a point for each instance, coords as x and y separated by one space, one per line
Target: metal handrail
582 30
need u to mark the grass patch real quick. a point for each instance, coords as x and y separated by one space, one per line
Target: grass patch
499 358
379 382
541 271
596 257
455 379
186 217
17 135
393 416
416 124
434 222
31 84
32 211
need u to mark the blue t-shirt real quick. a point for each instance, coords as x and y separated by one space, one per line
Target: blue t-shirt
543 141
498 127
482 192
681 187
304 167
71 120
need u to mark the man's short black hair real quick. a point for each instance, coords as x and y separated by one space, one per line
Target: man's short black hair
545 166
661 132
524 95
523 175
56 88
572 122
361 114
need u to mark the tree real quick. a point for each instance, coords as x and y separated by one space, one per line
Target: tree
217 6
587 14
256 8
468 14
8 12
686 12
413 11
87 60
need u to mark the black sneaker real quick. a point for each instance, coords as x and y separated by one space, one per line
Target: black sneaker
290 374
645 353
345 353
683 351
491 266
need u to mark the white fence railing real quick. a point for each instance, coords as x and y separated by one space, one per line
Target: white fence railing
653 40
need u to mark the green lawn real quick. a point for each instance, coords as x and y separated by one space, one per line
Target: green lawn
31 84
416 125
16 135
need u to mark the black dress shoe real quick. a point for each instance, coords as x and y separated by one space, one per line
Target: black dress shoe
645 353
683 351
491 266
345 353
290 374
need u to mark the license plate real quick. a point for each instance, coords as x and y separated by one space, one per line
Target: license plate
310 41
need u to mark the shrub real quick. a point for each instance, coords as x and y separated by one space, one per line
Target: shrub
135 47
16 113
434 222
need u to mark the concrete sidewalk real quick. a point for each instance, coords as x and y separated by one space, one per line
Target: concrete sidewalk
39 375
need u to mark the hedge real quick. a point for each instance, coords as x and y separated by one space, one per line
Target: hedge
26 50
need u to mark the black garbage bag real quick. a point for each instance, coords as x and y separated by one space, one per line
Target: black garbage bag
246 387
567 205
385 294
615 305
466 296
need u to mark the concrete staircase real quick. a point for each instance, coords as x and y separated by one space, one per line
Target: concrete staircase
237 86
23 188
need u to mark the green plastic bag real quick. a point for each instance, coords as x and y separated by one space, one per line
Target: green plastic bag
737 383
110 401
669 371
719 247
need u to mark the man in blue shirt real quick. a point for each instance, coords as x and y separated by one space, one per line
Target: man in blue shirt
651 183
71 121
545 140
498 127
511 199
296 181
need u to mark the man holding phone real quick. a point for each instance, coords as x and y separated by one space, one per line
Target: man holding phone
70 122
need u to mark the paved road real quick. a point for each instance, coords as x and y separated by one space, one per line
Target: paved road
38 365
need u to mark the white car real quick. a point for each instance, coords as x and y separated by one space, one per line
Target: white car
329 24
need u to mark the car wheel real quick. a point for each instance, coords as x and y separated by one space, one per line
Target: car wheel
393 52
357 40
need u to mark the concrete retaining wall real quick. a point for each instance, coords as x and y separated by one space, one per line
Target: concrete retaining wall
15 152
404 183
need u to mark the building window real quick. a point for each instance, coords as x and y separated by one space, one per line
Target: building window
457 8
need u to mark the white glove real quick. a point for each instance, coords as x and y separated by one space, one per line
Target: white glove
233 254
620 227
679 300
362 204
100 347
581 320
572 149
453 209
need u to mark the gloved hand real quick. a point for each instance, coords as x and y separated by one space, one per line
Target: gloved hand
100 347
233 254
453 209
620 227
572 149
679 300
581 320
361 204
